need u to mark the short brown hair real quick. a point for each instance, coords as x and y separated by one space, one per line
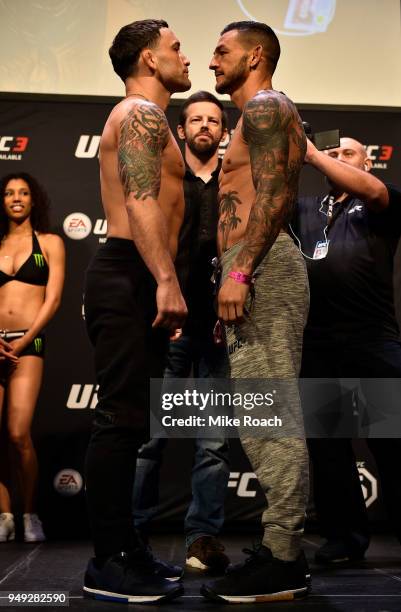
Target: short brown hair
256 32
129 42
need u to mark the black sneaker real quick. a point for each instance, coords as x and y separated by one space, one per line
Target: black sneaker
260 578
128 578
302 561
337 552
207 553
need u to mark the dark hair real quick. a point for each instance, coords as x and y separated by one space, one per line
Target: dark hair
256 32
129 42
40 211
202 96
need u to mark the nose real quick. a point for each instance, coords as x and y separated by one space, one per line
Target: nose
185 60
205 123
213 64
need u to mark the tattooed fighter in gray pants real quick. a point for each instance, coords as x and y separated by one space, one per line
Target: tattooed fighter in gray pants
258 188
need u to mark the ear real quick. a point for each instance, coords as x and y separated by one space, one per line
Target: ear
149 59
367 165
180 132
256 56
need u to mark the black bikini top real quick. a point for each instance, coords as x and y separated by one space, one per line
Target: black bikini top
33 271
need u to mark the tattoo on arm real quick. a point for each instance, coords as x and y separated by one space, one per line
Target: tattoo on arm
277 145
144 133
228 215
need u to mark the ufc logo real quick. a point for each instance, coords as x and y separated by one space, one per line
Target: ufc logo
241 483
87 147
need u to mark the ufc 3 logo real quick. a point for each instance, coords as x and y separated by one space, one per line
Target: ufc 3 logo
13 144
379 152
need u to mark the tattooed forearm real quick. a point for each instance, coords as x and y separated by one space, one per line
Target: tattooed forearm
143 135
273 130
228 216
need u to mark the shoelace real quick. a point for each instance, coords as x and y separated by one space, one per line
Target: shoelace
254 556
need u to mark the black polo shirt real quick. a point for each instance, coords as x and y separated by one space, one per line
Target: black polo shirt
196 248
352 287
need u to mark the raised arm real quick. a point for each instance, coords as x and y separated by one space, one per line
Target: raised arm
358 183
277 147
144 134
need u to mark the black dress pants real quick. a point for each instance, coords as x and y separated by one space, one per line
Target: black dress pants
338 494
120 306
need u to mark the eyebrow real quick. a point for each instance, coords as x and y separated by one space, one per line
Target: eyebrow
220 48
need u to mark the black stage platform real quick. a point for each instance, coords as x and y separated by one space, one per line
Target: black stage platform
372 586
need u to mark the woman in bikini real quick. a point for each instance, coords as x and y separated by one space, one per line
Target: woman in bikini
31 281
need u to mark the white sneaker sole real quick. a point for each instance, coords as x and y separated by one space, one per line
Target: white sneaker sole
118 597
9 538
196 563
260 598
35 539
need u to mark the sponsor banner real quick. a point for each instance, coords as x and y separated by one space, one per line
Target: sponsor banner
58 142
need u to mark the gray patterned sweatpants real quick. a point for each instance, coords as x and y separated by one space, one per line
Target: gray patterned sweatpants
270 347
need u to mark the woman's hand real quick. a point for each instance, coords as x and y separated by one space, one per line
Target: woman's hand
17 346
6 351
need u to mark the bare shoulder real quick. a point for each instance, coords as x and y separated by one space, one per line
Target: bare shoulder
51 242
143 119
267 113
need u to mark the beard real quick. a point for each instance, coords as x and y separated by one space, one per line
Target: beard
235 80
203 149
172 81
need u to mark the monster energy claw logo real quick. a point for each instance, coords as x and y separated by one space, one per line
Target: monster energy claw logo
38 342
39 260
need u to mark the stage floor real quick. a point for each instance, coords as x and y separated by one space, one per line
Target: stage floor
372 586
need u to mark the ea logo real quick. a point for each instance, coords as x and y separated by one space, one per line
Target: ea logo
68 482
77 226
296 18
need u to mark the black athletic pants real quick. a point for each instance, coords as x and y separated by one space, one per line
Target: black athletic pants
337 489
120 306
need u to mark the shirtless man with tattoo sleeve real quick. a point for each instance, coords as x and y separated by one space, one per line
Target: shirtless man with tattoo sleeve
263 299
133 300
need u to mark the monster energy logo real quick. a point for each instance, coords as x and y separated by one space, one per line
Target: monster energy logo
39 260
38 343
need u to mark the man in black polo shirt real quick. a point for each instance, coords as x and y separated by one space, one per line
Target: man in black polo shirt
349 238
202 125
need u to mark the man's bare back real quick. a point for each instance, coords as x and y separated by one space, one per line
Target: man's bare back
260 168
132 129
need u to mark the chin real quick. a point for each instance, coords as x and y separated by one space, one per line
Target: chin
222 88
183 86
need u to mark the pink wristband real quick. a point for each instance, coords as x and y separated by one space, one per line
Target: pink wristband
240 277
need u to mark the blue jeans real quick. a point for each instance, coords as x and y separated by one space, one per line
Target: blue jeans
210 471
